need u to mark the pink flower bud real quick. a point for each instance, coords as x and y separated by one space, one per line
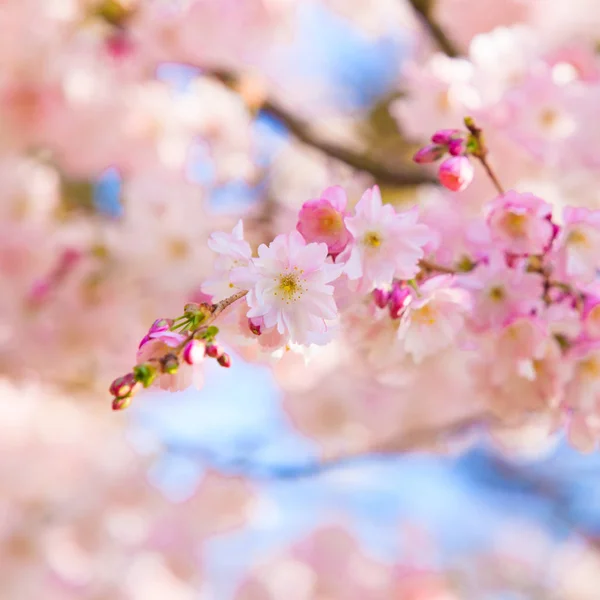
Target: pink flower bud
224 360
429 154
193 352
255 325
456 173
381 297
398 299
213 350
124 387
457 147
443 136
160 325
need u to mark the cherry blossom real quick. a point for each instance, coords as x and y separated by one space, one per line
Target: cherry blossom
386 244
292 289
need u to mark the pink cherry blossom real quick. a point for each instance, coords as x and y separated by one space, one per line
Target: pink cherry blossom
500 293
387 244
291 290
521 223
322 220
578 245
433 317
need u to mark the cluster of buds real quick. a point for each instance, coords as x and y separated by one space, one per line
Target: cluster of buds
394 299
166 350
456 171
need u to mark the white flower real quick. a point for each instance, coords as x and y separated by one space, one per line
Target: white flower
291 291
386 244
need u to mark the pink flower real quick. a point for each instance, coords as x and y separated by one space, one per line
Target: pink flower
387 244
500 293
519 344
429 154
322 220
456 173
578 247
433 317
233 257
521 223
291 289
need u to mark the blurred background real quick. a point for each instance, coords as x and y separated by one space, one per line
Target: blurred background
132 129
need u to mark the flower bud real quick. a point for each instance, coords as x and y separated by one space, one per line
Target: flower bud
121 403
193 352
444 136
429 154
191 308
255 325
160 325
213 350
456 173
169 364
398 300
145 373
381 297
457 147
224 360
125 386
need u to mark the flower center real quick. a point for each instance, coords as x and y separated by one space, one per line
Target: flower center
289 288
577 238
515 224
372 239
425 315
590 368
330 222
497 293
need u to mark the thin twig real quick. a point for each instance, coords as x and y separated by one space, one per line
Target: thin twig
303 132
480 151
219 307
423 9
428 265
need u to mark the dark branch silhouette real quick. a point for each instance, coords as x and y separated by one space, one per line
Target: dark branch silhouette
423 9
304 133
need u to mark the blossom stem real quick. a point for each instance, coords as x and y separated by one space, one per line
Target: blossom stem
428 265
216 310
478 149
491 174
219 307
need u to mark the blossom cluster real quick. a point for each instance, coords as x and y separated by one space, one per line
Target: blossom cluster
521 301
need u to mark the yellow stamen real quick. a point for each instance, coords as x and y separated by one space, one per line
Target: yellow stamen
372 239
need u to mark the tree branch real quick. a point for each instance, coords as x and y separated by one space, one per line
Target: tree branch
302 131
423 9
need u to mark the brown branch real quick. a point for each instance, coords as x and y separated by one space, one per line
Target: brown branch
423 8
218 308
428 265
303 132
